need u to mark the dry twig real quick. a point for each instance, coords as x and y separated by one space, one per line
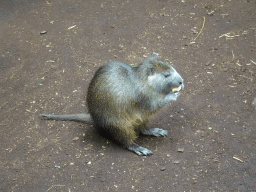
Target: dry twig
200 30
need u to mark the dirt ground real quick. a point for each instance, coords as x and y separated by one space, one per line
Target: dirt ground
212 132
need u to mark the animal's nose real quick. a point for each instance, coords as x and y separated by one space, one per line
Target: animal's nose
181 85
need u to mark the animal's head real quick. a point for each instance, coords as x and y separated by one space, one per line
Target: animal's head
162 77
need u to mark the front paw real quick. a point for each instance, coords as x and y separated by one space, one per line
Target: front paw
173 96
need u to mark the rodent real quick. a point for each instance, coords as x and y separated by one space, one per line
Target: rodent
121 99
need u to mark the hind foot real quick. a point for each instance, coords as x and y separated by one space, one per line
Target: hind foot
139 150
155 132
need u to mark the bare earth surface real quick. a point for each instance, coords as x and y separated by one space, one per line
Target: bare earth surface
212 132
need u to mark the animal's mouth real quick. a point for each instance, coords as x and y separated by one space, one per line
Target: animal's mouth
176 89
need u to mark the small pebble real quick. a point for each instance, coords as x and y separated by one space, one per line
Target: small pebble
163 168
254 103
208 63
103 180
43 32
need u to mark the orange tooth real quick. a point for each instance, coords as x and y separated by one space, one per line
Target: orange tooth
176 89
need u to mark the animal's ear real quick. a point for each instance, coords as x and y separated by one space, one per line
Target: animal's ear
151 59
155 54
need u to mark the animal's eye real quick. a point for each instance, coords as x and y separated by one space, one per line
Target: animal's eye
166 75
150 71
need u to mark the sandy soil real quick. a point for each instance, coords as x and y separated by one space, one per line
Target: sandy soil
212 134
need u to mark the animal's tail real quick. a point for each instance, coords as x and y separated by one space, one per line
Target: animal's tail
74 117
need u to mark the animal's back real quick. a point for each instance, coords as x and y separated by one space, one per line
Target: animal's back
112 93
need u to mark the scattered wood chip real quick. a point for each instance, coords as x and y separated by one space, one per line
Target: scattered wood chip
238 159
75 138
50 61
194 31
211 13
253 62
72 27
